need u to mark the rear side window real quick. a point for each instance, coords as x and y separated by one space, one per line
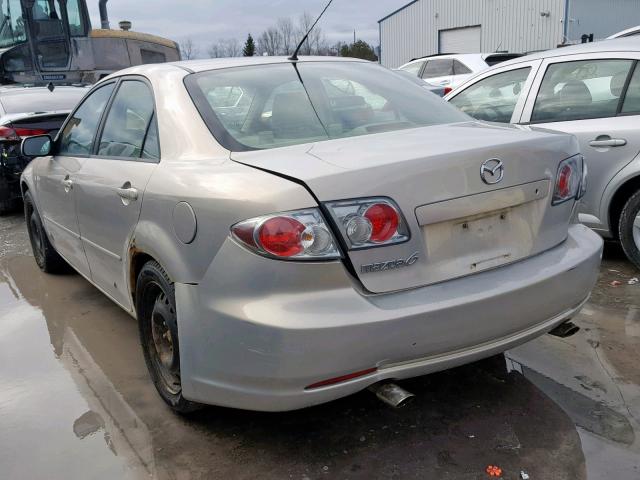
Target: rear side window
438 68
493 98
460 68
631 103
78 134
128 121
581 90
413 68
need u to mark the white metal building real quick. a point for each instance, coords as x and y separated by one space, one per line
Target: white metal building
426 27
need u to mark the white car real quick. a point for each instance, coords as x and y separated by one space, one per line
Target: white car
453 69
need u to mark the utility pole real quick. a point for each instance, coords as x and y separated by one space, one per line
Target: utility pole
354 36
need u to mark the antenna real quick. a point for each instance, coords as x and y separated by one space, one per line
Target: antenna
294 57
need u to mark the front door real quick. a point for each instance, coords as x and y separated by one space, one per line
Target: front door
111 183
49 33
56 176
586 97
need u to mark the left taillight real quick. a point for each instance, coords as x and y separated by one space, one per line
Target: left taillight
296 235
569 180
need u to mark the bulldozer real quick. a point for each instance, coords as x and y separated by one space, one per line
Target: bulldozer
52 42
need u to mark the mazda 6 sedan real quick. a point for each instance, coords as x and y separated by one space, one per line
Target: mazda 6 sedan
288 233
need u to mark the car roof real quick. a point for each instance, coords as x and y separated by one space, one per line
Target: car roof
626 44
202 65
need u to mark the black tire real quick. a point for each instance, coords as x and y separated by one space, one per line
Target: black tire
625 229
158 326
45 255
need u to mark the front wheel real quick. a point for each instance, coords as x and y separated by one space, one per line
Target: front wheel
158 326
629 229
45 255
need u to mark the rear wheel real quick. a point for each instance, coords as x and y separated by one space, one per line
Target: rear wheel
157 320
629 229
45 255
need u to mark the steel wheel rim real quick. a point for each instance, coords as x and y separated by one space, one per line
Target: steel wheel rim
161 346
636 231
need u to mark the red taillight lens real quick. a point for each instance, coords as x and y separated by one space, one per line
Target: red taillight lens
448 90
297 235
30 132
282 236
384 221
8 133
564 181
568 180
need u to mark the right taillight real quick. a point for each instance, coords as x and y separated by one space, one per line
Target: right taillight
569 180
369 222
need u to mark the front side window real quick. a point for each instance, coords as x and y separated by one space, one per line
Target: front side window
128 121
493 98
77 137
271 106
75 17
631 103
12 25
581 90
438 68
414 67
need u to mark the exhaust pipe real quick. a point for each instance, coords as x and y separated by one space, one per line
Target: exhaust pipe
392 394
104 16
565 330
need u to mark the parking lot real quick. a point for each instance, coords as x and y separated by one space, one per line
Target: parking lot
77 402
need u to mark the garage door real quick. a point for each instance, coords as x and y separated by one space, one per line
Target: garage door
460 40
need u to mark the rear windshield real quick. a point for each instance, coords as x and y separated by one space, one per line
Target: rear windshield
269 106
42 100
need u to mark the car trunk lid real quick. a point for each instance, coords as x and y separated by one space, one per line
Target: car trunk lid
459 224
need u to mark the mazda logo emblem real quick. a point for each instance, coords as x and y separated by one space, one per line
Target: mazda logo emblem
492 171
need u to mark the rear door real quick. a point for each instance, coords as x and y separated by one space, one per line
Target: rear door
111 182
56 177
585 96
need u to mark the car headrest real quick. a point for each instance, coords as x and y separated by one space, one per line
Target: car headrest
292 116
575 92
617 83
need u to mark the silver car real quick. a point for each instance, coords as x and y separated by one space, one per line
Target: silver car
593 92
334 228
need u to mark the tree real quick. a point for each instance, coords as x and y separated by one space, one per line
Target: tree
188 49
359 49
216 50
231 47
287 34
270 42
249 49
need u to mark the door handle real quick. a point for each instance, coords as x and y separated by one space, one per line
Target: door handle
67 183
128 194
607 142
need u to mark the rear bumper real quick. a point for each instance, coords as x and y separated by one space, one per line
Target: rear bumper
254 340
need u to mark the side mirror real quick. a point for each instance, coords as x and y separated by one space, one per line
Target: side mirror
38 146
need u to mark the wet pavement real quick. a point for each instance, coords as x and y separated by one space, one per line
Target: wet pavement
76 401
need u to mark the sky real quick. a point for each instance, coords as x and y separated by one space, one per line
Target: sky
206 21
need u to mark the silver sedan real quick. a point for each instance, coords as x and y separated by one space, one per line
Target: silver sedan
288 233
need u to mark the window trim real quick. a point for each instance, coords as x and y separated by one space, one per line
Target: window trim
623 94
105 115
58 139
625 89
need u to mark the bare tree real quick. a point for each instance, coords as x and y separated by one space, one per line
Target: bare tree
216 50
316 43
231 47
287 34
188 49
270 42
